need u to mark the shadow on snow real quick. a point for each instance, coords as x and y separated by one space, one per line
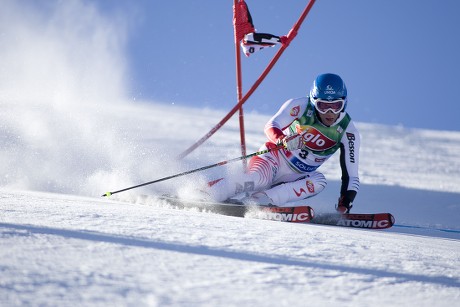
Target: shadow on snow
205 251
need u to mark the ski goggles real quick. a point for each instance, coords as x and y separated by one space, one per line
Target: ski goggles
323 106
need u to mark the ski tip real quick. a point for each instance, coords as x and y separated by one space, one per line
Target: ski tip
106 194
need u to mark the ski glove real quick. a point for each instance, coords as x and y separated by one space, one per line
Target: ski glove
292 142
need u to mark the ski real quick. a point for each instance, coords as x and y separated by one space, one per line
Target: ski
299 214
294 214
356 220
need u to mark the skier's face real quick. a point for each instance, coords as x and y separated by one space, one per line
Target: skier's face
329 118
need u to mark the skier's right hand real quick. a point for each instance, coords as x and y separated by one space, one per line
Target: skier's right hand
293 142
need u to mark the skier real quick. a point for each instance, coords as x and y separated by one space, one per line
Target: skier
309 130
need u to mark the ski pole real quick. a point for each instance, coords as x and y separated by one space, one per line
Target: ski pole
258 153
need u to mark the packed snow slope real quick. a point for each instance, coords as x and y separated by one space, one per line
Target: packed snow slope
68 134
62 244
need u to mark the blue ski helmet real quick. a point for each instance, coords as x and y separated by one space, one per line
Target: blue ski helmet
328 87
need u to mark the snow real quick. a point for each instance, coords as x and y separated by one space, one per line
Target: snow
62 249
68 134
71 246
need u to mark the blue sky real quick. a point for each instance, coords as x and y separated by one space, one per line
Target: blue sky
399 59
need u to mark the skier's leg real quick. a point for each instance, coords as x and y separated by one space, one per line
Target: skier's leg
308 186
261 171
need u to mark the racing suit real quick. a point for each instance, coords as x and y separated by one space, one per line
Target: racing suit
287 176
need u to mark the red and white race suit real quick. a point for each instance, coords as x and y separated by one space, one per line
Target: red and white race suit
287 176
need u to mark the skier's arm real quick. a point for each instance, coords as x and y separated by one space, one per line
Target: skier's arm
289 111
349 163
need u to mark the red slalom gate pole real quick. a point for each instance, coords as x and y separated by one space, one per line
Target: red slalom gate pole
239 86
292 33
